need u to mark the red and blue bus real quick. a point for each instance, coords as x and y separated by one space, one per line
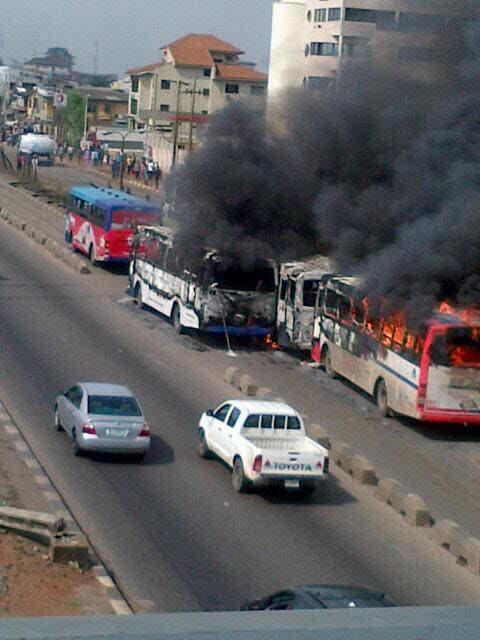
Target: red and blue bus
101 222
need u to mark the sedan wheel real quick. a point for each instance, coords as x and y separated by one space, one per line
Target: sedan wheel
76 448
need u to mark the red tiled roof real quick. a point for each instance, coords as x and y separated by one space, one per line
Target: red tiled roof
240 72
136 71
195 49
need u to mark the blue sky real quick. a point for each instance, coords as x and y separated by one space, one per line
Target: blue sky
129 32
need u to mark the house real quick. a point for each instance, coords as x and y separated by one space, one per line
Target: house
49 65
312 39
104 105
195 76
40 109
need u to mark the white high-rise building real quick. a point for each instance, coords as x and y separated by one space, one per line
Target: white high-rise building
311 39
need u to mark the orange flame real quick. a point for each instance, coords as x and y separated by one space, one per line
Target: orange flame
270 343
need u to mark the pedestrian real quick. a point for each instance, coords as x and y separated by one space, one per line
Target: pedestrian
151 167
70 152
136 169
157 174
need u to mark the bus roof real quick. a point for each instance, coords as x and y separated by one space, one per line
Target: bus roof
110 198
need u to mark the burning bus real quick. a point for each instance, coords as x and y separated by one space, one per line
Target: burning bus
216 296
297 294
431 374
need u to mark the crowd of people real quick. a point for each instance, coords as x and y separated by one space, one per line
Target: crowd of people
142 169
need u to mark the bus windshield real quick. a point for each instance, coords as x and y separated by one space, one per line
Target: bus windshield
458 347
260 278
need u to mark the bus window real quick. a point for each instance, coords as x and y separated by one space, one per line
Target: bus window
283 288
310 288
358 315
129 219
344 309
398 338
97 216
386 335
331 303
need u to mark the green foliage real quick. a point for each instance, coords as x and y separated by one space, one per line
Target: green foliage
72 118
61 52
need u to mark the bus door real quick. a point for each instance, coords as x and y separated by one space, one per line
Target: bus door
286 310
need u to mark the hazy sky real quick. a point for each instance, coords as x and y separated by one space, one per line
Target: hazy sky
129 32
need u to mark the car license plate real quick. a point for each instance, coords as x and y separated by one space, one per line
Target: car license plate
116 433
292 484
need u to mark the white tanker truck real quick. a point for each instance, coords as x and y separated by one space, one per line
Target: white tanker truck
39 145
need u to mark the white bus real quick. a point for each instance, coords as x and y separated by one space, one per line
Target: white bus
432 375
297 294
216 297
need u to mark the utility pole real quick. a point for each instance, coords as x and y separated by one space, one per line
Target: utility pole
85 128
194 93
175 134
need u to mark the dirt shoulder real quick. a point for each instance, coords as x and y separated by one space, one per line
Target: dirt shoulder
30 584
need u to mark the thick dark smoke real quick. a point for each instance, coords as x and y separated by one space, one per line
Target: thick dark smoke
382 174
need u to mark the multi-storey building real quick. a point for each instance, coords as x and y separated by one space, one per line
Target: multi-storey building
197 75
312 39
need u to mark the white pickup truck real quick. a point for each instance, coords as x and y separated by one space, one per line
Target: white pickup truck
264 443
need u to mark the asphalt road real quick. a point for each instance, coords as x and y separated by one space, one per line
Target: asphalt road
173 531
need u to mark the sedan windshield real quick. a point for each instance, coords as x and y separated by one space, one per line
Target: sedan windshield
113 406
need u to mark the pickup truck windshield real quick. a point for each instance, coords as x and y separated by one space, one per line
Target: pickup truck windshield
256 421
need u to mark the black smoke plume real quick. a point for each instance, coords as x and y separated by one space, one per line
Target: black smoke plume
381 173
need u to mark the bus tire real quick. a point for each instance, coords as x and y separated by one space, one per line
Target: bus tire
381 398
239 481
177 320
91 255
137 294
68 237
327 362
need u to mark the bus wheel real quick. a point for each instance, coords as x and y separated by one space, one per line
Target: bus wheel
176 320
68 237
91 255
381 398
138 296
327 363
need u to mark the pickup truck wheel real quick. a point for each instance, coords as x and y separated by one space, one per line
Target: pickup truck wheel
240 482
203 449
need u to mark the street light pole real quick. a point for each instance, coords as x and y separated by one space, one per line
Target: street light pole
86 117
122 166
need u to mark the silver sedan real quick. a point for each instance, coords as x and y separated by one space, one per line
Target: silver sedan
102 417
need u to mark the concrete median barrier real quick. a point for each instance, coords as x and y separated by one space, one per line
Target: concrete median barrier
31 524
248 386
416 511
385 490
4 214
341 455
70 548
443 532
232 376
464 547
319 434
362 470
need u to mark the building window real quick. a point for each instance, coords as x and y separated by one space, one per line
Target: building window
320 15
206 92
307 50
134 84
419 22
309 16
257 90
316 83
205 113
91 106
133 106
165 85
107 108
164 107
385 20
324 48
232 88
334 15
207 72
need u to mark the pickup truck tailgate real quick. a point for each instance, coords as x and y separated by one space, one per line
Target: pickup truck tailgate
293 463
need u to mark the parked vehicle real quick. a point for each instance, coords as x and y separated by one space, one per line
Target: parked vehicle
264 443
318 596
104 418
102 222
431 373
37 145
215 296
297 294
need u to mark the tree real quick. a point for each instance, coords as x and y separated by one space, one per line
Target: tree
72 118
63 53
